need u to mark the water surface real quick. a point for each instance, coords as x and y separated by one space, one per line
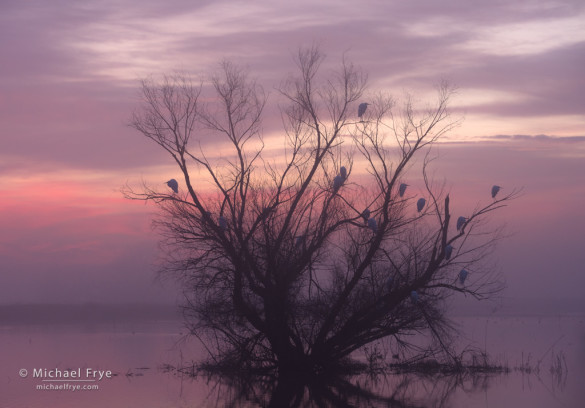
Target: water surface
137 351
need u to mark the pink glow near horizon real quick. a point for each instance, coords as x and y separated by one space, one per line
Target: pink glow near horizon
69 82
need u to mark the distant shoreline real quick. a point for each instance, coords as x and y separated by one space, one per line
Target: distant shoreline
88 313
101 313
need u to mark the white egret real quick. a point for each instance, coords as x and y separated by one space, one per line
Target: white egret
373 225
495 190
362 109
414 296
389 283
343 173
462 276
460 222
402 189
172 183
420 204
299 240
337 183
366 215
222 222
448 252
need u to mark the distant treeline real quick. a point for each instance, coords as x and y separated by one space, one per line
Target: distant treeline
53 314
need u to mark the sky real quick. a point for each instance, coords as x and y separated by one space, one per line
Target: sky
69 78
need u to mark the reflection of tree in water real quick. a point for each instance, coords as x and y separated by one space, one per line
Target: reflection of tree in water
431 381
535 370
431 386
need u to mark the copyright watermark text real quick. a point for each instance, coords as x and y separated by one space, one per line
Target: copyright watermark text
74 379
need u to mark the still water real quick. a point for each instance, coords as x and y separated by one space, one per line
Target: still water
131 358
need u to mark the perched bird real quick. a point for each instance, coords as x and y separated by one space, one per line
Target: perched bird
414 296
373 225
362 109
402 189
389 283
172 183
460 222
343 173
462 276
495 190
222 222
299 240
366 215
337 183
420 204
448 252
266 211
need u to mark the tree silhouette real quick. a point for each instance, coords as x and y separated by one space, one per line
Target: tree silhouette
298 259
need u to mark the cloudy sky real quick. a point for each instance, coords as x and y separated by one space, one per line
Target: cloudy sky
69 76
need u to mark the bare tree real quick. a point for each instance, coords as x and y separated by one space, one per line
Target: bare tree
298 263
